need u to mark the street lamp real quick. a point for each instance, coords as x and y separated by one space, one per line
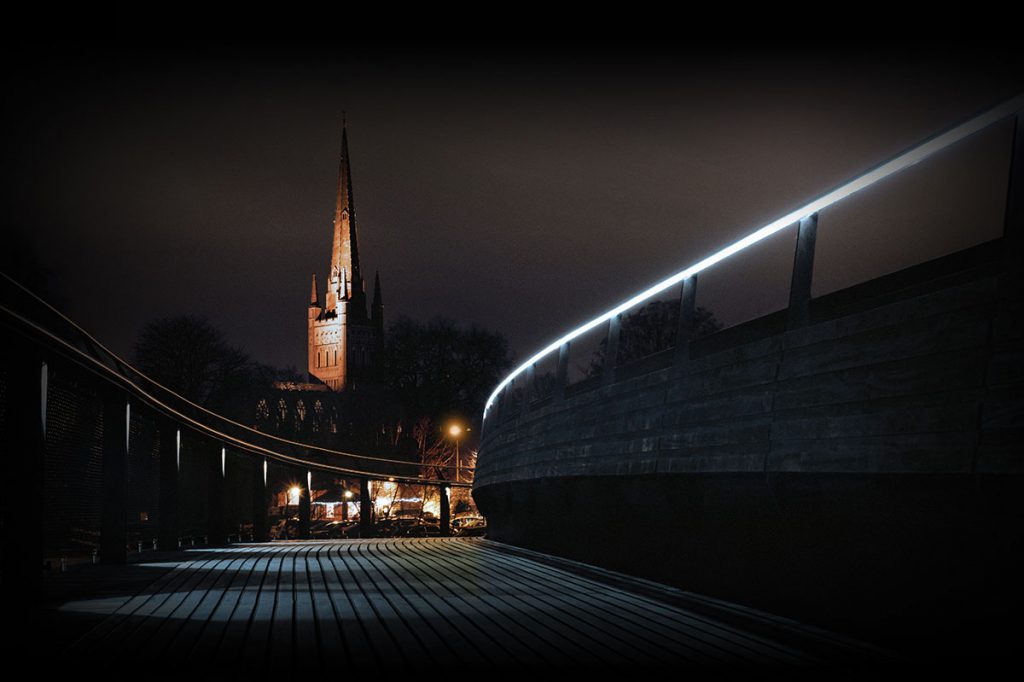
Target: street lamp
455 430
344 505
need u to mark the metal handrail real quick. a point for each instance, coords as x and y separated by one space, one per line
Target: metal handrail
118 376
901 161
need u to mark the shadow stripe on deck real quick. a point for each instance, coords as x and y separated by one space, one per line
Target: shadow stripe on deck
436 603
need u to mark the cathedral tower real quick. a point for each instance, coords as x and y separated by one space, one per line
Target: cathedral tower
343 340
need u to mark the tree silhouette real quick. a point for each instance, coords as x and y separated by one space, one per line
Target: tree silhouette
438 369
188 355
652 329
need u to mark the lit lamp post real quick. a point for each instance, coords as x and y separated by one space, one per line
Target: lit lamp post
456 431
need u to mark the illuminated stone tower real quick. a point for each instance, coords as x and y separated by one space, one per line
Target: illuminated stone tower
343 339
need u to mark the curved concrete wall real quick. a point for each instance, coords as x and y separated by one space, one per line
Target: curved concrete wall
845 471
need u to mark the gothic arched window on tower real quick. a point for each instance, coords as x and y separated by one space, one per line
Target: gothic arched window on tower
318 415
282 411
300 412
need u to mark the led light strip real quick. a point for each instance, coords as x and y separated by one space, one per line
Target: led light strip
905 160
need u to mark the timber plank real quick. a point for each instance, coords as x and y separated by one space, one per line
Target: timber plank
206 645
580 615
513 609
647 612
232 641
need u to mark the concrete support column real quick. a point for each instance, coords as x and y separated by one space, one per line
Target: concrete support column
306 507
24 445
260 503
114 505
687 320
562 372
611 350
803 273
446 513
365 509
216 527
168 532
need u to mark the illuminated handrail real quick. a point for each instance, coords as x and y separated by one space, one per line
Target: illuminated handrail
901 161
118 374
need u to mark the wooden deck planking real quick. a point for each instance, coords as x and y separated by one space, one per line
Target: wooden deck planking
577 617
412 603
503 622
528 632
430 609
472 626
649 615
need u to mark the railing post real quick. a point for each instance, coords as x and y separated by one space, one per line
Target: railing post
528 388
260 521
502 407
114 505
446 513
562 372
803 273
170 444
1013 226
365 509
24 447
687 320
611 350
216 458
305 507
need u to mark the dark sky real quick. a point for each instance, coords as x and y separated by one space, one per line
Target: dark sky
522 190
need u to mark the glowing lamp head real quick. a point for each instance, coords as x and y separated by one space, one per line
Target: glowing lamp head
348 494
455 430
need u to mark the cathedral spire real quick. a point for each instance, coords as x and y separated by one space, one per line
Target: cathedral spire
345 254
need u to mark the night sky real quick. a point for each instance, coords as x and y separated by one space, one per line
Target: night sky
519 190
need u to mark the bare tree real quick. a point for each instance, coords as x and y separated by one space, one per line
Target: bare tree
651 329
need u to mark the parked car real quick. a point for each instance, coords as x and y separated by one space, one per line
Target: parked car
472 528
421 530
331 529
285 529
463 520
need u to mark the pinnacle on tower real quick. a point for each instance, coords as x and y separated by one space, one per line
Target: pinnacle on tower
314 301
378 300
377 310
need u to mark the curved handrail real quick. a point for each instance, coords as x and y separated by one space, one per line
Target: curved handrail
901 161
118 374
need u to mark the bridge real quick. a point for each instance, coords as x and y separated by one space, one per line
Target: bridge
852 460
850 463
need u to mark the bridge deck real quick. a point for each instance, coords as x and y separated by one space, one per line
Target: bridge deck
390 603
